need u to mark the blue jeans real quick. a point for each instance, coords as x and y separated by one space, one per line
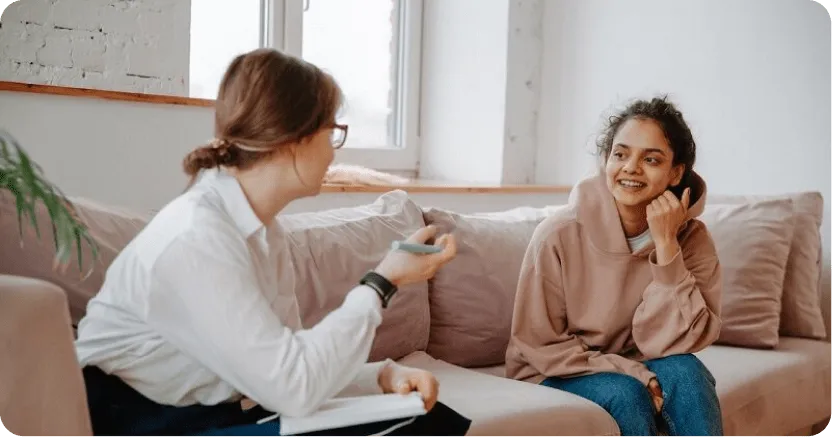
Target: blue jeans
691 406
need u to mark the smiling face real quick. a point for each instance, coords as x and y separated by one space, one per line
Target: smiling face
640 167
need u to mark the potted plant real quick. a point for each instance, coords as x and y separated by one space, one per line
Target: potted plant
24 179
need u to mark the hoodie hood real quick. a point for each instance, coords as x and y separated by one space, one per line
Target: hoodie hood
598 215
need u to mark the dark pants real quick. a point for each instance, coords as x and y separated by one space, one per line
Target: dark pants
117 409
691 406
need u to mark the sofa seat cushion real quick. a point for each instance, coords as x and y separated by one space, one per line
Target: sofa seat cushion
500 406
764 392
771 392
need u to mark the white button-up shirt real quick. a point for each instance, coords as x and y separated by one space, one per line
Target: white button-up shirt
200 308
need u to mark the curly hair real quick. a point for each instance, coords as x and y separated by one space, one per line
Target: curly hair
671 121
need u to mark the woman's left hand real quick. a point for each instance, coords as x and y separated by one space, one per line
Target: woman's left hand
666 214
656 393
400 379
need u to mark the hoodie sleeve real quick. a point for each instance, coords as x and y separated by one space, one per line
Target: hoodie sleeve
541 344
680 308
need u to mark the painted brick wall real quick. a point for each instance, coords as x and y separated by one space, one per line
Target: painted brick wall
123 45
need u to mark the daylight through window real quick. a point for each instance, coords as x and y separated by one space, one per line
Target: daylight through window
369 46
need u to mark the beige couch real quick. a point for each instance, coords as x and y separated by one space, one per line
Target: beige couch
456 325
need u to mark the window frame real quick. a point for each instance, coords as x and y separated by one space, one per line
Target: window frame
282 28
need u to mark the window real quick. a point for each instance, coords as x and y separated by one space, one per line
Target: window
371 47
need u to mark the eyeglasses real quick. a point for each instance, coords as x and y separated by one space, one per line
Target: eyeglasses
339 135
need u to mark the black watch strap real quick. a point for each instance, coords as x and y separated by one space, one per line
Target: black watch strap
383 287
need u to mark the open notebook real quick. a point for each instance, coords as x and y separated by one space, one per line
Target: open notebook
359 410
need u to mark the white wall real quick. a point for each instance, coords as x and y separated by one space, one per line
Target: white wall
480 77
136 46
522 90
463 89
124 153
129 154
751 76
755 88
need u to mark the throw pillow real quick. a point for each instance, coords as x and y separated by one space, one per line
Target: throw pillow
752 241
331 250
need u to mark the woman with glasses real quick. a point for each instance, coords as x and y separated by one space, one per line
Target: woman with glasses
196 329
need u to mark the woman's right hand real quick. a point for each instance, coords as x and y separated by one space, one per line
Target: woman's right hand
403 268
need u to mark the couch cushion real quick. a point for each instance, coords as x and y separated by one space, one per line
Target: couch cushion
801 314
500 406
111 227
332 249
472 297
752 241
771 392
764 392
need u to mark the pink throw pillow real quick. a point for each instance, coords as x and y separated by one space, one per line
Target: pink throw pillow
472 297
331 250
752 242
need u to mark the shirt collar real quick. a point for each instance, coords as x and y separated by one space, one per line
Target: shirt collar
236 203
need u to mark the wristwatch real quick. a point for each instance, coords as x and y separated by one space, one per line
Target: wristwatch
383 287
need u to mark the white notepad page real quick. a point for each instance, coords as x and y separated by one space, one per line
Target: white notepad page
341 412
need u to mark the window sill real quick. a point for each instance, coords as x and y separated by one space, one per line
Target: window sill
439 187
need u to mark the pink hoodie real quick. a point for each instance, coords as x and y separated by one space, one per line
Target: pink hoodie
586 304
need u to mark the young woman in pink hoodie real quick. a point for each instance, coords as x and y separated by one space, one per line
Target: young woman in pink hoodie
619 289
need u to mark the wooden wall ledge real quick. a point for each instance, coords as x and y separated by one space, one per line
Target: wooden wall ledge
424 186
104 94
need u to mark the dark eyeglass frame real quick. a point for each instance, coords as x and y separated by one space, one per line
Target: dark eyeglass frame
345 128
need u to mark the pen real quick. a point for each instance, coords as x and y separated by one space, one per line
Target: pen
415 247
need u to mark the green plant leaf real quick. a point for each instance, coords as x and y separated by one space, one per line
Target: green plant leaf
29 187
21 204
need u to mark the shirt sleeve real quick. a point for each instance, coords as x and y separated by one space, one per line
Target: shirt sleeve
540 342
680 308
206 300
366 382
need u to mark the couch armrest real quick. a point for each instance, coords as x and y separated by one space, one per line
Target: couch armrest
826 287
41 386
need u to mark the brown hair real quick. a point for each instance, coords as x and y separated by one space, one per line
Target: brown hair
266 99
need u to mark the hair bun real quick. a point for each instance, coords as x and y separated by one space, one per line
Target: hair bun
219 143
213 155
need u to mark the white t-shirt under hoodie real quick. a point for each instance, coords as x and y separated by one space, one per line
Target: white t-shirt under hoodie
200 308
640 241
